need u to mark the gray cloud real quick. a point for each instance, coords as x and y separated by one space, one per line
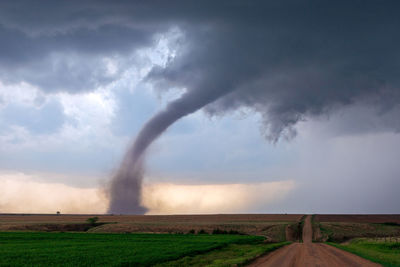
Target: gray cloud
346 174
288 61
62 47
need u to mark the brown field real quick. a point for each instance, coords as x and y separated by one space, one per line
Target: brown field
340 228
273 226
362 218
276 227
214 218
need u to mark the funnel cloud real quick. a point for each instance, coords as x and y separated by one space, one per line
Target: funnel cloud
126 185
288 61
285 64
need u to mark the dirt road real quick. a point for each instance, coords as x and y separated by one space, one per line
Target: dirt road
311 254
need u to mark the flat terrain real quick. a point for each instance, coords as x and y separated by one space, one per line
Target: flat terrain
23 239
272 226
87 249
311 254
352 218
41 218
385 251
231 255
341 228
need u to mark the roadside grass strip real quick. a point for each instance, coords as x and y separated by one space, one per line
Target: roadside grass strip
231 255
385 253
89 249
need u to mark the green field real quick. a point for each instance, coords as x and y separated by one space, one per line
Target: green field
89 249
231 255
385 253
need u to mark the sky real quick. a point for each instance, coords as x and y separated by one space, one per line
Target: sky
289 107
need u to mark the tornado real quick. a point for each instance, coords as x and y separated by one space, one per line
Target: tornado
285 69
126 185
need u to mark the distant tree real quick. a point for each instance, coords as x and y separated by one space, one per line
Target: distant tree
219 232
92 220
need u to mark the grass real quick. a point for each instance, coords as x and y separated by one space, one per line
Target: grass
231 255
270 225
296 229
275 233
89 249
274 230
300 228
341 232
385 253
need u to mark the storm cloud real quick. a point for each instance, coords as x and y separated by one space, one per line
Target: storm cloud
288 61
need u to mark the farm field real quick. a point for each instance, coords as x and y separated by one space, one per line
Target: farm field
195 240
340 228
272 226
358 218
380 251
373 237
231 255
342 232
214 218
88 249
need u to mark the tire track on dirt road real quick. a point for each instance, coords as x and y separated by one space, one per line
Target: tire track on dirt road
311 254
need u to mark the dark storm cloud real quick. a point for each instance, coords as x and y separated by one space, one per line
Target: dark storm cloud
288 61
60 46
285 60
66 61
295 62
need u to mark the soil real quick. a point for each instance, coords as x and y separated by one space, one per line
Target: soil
307 231
50 218
311 254
272 226
73 227
359 218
